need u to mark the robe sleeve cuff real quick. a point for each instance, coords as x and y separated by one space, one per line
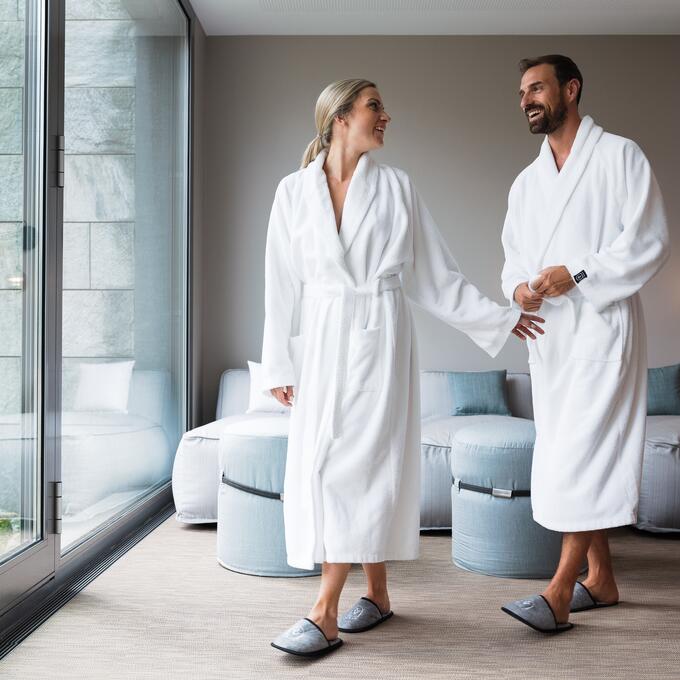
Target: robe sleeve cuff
501 338
512 287
271 380
585 284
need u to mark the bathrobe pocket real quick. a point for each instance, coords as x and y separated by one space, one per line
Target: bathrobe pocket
296 345
598 335
364 366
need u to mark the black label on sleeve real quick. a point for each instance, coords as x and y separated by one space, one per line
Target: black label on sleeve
580 276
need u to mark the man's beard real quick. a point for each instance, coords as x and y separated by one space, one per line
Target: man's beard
550 121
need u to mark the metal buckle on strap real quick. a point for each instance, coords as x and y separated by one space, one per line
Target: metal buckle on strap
497 493
501 493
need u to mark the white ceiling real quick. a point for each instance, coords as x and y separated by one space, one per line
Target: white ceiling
438 17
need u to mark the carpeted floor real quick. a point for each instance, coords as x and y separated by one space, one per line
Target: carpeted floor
168 610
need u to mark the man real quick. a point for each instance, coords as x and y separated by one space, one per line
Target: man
585 230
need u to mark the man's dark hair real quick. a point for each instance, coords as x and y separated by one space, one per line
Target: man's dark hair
565 69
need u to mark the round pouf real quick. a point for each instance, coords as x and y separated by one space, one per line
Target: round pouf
250 533
493 529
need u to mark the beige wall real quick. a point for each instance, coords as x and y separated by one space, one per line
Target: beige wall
456 129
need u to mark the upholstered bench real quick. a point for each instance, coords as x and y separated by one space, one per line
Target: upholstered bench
659 509
250 531
493 529
195 478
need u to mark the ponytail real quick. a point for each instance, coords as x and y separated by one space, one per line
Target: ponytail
312 151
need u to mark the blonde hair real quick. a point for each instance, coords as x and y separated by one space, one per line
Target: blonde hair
337 99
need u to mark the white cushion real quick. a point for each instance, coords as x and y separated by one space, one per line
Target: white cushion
259 401
104 387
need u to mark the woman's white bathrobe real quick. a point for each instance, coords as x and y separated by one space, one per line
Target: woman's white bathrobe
339 328
603 218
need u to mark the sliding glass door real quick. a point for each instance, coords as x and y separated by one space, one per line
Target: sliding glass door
94 117
123 300
26 544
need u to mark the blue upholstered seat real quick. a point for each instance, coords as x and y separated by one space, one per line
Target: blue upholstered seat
659 509
493 531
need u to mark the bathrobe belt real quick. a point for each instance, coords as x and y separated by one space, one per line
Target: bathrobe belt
347 295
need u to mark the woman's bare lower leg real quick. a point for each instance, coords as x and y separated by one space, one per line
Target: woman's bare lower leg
325 610
376 579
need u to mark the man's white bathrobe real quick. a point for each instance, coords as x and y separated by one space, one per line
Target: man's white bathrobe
339 328
603 218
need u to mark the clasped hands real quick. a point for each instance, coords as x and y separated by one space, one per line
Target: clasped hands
550 282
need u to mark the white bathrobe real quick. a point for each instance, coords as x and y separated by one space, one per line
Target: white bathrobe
603 218
339 328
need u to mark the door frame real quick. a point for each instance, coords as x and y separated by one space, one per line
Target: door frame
63 576
35 565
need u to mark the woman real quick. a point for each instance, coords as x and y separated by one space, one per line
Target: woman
348 240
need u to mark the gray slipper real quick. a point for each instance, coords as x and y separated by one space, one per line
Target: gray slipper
305 638
536 612
583 600
363 616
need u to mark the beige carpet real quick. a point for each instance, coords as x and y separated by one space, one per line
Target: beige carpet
168 610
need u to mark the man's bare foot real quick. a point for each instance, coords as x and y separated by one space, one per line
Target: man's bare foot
559 599
603 590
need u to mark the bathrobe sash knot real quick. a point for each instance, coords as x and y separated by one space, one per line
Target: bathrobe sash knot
347 294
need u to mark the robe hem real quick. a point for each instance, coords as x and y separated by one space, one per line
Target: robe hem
354 559
622 519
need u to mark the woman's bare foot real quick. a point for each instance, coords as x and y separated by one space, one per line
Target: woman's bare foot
382 599
326 620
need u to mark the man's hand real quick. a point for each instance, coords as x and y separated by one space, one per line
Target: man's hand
526 299
526 324
283 394
553 281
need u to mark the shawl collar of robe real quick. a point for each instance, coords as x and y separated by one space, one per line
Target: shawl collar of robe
558 187
360 192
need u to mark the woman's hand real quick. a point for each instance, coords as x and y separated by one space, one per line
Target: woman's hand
283 394
527 323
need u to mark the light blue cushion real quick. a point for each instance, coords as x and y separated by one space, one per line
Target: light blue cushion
494 454
493 535
477 393
663 391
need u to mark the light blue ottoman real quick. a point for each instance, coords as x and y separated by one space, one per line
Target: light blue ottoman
250 533
493 529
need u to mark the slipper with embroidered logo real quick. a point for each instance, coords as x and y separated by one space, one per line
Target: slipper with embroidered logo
364 615
305 638
583 600
536 612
